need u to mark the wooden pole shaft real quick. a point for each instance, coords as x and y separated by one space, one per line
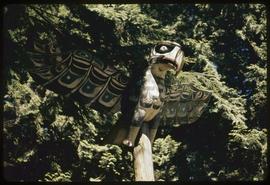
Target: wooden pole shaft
143 161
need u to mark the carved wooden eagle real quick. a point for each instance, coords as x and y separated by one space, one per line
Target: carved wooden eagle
142 98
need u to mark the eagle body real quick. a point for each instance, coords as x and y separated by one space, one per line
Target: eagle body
142 98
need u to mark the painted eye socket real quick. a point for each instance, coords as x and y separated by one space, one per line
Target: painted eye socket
163 48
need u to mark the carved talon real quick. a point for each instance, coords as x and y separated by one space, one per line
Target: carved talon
128 143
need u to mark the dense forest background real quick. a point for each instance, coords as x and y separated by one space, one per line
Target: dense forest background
47 137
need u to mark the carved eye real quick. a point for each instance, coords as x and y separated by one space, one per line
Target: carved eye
163 48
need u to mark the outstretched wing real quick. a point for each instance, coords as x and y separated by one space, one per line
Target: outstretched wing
184 105
77 74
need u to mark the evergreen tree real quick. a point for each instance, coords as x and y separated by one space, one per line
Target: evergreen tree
47 137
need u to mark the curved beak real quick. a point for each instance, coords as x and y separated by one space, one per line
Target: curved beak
175 57
180 62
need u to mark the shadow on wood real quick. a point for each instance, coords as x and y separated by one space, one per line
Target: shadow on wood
143 160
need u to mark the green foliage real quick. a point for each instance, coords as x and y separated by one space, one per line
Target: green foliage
164 151
48 137
56 174
256 77
132 25
106 158
240 142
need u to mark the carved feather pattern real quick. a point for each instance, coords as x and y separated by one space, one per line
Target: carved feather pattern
184 105
79 75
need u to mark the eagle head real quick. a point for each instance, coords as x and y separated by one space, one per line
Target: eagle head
168 55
